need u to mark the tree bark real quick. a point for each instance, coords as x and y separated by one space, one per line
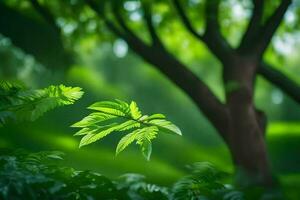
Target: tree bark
246 130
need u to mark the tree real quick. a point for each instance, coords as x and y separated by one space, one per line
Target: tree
237 120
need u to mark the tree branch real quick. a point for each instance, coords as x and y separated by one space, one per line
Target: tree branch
179 74
278 79
46 14
269 28
126 34
185 20
213 36
117 14
100 11
149 22
253 26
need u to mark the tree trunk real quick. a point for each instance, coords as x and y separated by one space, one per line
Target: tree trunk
245 137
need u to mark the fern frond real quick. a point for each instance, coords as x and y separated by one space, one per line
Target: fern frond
63 95
24 104
120 117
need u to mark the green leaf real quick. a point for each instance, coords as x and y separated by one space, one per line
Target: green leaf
144 140
147 133
134 110
128 125
90 138
92 119
126 140
93 129
166 126
21 104
121 116
108 107
65 95
84 131
154 116
146 148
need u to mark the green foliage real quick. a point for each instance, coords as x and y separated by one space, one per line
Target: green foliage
119 116
41 175
21 104
35 176
135 187
204 183
26 175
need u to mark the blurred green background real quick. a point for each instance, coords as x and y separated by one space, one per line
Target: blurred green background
106 69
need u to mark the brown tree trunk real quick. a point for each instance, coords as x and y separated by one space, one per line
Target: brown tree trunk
245 137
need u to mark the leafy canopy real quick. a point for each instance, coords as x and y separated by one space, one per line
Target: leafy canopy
119 116
19 103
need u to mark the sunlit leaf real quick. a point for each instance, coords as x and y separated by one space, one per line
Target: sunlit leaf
134 110
126 140
166 126
19 103
119 116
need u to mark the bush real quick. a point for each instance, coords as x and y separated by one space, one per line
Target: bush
38 175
